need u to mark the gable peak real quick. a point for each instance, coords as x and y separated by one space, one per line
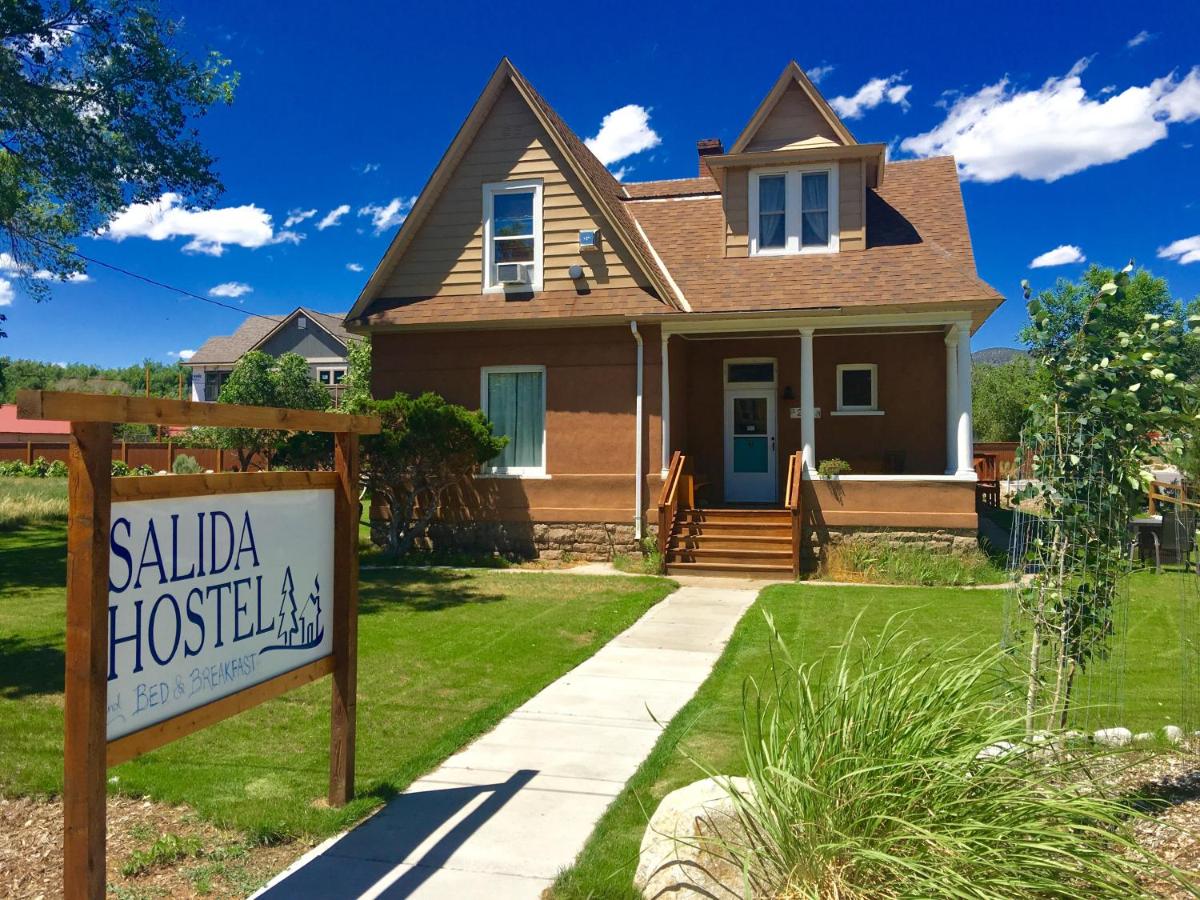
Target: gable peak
793 114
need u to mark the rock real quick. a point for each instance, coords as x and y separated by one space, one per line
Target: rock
1069 736
1113 737
1143 737
996 750
1172 734
681 855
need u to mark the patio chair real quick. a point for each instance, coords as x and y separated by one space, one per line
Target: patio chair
1178 540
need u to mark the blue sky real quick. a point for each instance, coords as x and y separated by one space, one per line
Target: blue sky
1076 126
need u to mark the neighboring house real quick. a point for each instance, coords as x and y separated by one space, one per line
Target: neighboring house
321 338
800 299
14 429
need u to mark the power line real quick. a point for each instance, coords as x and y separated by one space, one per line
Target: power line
148 280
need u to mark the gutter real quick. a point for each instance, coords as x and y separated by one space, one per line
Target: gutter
638 525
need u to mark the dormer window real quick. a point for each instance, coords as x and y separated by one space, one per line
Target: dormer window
793 211
512 236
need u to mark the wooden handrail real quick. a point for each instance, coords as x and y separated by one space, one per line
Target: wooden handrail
668 500
1155 495
794 500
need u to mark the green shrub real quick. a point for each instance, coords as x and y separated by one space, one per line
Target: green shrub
58 469
833 467
120 468
879 562
39 468
186 465
867 781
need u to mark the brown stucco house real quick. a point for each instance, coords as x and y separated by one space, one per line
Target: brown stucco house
688 351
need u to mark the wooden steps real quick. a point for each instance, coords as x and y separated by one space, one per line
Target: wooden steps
733 541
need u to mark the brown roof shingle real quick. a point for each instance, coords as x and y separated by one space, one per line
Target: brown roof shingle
494 308
673 187
229 348
919 251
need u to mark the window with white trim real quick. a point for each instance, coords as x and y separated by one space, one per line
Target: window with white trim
514 399
331 375
512 235
793 211
858 388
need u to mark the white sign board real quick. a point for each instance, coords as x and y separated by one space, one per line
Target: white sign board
210 595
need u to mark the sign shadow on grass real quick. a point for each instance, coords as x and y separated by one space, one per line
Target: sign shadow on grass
378 856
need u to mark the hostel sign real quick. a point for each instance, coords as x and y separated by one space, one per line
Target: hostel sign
208 596
191 598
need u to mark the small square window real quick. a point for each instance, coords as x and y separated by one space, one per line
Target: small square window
857 387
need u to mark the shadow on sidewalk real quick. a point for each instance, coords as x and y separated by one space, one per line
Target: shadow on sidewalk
372 856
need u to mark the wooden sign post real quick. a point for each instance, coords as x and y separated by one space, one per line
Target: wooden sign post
189 649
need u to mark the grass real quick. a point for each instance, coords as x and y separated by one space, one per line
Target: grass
879 563
443 656
812 621
32 501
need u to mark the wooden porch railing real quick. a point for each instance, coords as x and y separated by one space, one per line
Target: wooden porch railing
678 478
987 484
794 501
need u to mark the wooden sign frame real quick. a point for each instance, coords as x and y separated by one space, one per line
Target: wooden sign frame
91 489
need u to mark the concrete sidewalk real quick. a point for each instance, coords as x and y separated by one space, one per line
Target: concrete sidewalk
500 818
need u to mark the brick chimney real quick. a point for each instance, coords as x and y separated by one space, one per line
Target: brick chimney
708 147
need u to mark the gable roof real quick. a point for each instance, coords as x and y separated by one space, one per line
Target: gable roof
792 75
257 330
918 253
600 185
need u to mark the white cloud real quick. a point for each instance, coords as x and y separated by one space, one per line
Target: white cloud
370 167
1138 39
11 266
620 173
354 267
333 217
872 94
210 230
816 73
389 215
1184 251
230 289
6 292
623 132
287 237
1062 255
1057 129
297 215
184 355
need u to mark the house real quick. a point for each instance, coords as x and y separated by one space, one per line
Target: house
17 430
675 349
321 338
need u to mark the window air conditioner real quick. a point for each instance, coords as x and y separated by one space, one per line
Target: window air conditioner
512 273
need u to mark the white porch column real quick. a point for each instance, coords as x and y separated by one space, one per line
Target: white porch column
966 449
951 399
666 404
808 422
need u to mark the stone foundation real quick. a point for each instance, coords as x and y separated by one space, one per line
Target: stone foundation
946 540
592 541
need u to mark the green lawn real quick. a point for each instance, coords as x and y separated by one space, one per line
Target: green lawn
813 619
443 657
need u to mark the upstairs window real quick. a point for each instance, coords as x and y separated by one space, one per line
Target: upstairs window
331 377
793 211
512 236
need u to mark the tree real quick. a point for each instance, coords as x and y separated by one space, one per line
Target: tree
356 388
426 447
1001 397
260 380
1114 399
97 111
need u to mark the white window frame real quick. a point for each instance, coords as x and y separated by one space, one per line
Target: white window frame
793 210
873 409
513 471
740 385
345 370
491 284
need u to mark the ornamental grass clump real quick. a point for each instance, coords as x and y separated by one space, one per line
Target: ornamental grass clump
897 770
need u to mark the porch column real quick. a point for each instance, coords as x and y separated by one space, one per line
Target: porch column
966 449
808 422
666 404
951 399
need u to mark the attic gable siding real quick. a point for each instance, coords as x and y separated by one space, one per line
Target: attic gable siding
311 342
445 257
794 120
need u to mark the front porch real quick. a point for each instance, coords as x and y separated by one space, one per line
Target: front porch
749 415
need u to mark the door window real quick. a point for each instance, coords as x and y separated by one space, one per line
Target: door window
750 434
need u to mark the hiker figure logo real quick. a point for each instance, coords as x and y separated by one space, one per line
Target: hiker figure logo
297 628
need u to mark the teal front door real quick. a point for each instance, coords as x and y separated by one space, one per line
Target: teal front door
750 446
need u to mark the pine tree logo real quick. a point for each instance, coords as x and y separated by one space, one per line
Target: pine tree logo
298 627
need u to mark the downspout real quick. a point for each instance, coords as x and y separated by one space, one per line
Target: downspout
638 480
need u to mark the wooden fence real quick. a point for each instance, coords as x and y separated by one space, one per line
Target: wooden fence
158 456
